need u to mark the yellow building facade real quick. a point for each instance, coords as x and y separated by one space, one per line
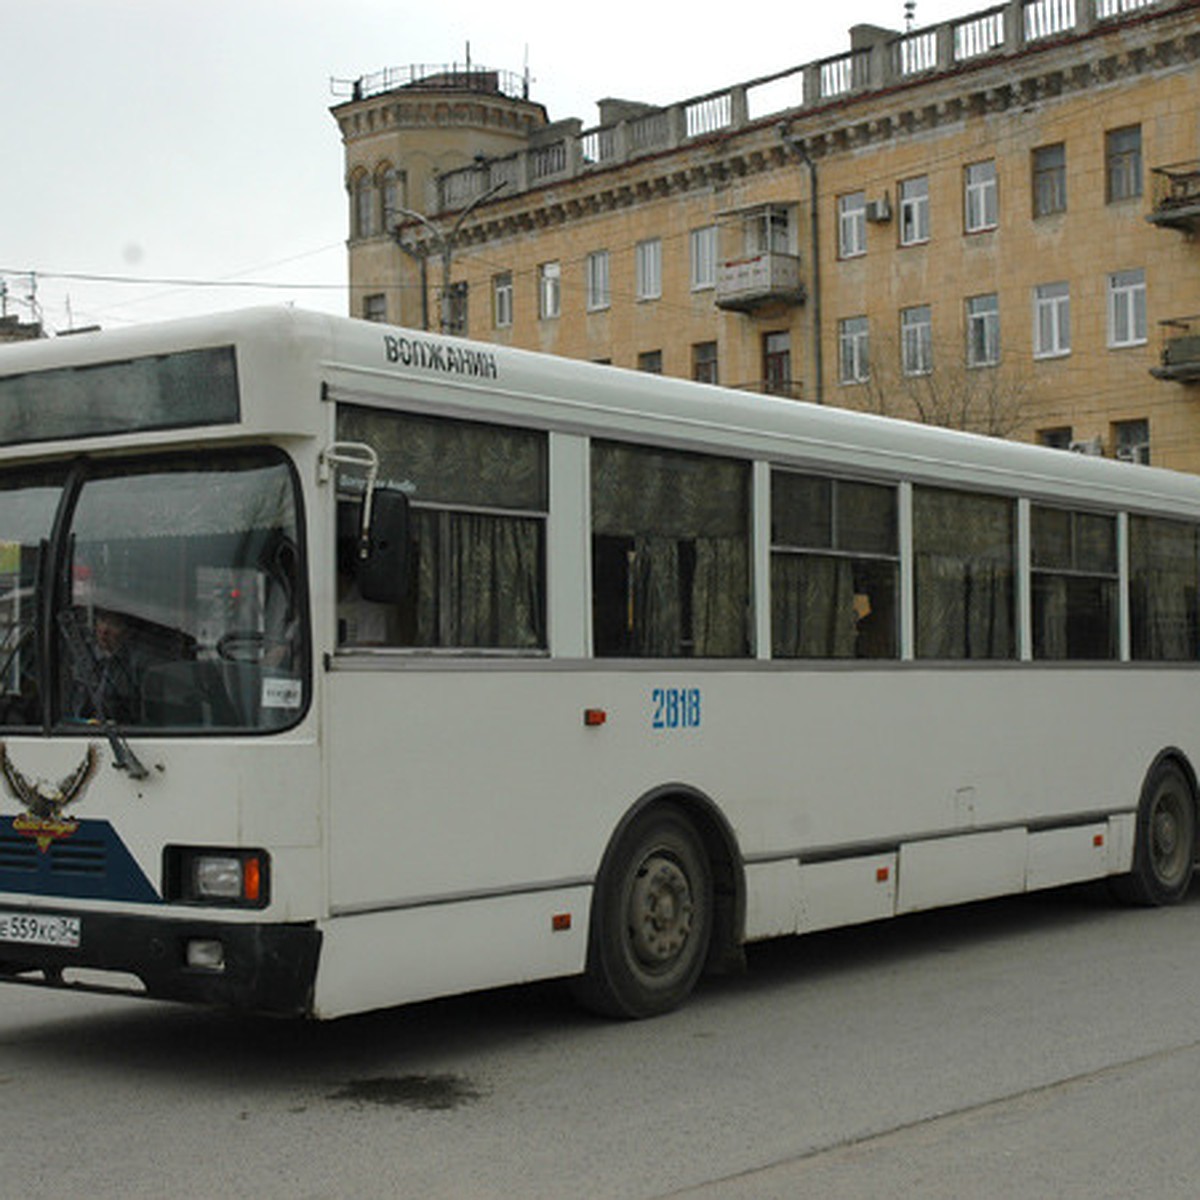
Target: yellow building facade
989 223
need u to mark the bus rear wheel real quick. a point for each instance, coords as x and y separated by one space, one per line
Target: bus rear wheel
652 919
1165 841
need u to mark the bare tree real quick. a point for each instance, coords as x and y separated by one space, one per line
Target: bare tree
996 400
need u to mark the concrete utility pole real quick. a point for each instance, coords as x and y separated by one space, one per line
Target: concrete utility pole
445 241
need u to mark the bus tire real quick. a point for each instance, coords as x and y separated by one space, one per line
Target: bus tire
1165 840
652 918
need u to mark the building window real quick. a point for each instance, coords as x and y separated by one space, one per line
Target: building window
852 225
1049 180
768 230
981 198
650 361
914 210
777 363
1127 308
1051 320
363 214
375 308
916 340
1061 437
391 198
598 295
1123 163
983 331
854 350
670 553
1074 584
834 568
704 362
648 266
456 309
502 300
703 246
549 290
1131 441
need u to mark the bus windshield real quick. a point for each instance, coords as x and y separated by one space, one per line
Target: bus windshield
153 594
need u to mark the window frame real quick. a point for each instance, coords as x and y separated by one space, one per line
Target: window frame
1123 164
648 269
703 256
598 275
1049 179
983 330
1055 306
852 225
913 198
1126 305
981 197
550 290
854 349
916 340
502 300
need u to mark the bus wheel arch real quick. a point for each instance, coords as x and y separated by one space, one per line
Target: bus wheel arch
672 853
1166 835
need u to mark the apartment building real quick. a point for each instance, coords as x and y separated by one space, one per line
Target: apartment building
989 223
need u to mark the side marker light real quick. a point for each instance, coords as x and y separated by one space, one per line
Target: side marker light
560 922
593 717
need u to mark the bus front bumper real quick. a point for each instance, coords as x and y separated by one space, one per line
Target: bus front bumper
265 968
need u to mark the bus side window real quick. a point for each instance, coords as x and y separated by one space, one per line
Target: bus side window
670 554
834 568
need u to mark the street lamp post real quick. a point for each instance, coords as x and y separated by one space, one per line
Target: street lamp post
445 242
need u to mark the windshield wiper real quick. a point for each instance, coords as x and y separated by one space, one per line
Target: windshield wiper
89 670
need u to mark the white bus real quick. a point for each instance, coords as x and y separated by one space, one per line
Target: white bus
346 666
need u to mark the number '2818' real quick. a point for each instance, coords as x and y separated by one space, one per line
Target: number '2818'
675 708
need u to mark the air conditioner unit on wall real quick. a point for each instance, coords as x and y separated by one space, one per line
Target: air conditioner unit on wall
879 211
1093 446
1135 452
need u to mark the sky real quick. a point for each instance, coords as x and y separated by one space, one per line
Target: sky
162 158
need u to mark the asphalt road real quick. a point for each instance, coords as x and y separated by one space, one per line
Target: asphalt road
1044 1046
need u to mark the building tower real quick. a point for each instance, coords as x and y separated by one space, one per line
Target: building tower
404 130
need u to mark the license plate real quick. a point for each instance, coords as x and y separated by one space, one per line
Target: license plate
36 929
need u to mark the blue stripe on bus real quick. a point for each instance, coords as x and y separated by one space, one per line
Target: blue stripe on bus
83 859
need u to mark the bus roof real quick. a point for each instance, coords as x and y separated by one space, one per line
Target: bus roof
285 355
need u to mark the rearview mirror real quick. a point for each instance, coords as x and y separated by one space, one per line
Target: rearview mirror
383 571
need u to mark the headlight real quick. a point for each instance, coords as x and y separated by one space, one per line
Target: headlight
200 875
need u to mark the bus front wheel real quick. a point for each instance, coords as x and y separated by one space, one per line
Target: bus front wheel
652 919
1165 840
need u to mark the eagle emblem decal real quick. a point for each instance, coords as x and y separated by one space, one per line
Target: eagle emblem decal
44 801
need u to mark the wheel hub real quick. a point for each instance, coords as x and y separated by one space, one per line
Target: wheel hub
660 911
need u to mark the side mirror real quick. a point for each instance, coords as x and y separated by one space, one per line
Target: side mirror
383 572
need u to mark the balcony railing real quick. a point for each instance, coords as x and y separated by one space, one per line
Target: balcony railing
1179 361
1176 196
1002 30
744 284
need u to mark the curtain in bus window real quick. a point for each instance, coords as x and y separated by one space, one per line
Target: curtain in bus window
670 553
478 581
1163 584
963 551
812 602
656 614
718 601
1050 614
479 495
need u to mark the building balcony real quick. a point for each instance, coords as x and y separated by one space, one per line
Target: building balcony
1180 358
750 283
1177 197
